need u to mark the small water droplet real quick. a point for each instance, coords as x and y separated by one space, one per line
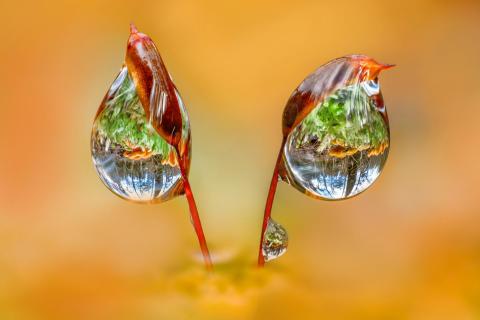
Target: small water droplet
275 241
339 148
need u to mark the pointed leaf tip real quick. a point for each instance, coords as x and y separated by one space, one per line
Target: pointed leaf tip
133 28
386 66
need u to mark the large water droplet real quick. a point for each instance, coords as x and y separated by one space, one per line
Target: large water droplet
131 158
275 241
340 146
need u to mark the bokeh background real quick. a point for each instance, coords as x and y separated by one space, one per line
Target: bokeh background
408 248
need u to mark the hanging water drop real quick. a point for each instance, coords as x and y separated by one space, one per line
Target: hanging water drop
337 133
141 141
131 158
141 132
275 241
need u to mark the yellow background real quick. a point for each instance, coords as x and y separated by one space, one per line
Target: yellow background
408 248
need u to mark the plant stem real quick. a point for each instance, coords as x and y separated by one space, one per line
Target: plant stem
269 204
197 225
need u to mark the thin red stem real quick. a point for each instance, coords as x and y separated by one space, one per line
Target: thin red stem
197 225
269 204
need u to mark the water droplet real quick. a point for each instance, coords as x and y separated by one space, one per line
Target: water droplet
275 241
132 159
141 132
338 148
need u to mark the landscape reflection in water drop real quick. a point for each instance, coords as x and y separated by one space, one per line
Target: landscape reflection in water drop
340 148
275 241
131 158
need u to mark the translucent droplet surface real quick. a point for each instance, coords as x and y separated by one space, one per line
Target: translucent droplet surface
131 158
337 130
275 241
340 148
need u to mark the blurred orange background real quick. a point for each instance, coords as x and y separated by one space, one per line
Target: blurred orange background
408 248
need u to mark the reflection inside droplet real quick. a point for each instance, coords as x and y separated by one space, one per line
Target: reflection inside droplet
132 159
275 241
340 148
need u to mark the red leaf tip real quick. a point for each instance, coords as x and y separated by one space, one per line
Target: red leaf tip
386 66
133 28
